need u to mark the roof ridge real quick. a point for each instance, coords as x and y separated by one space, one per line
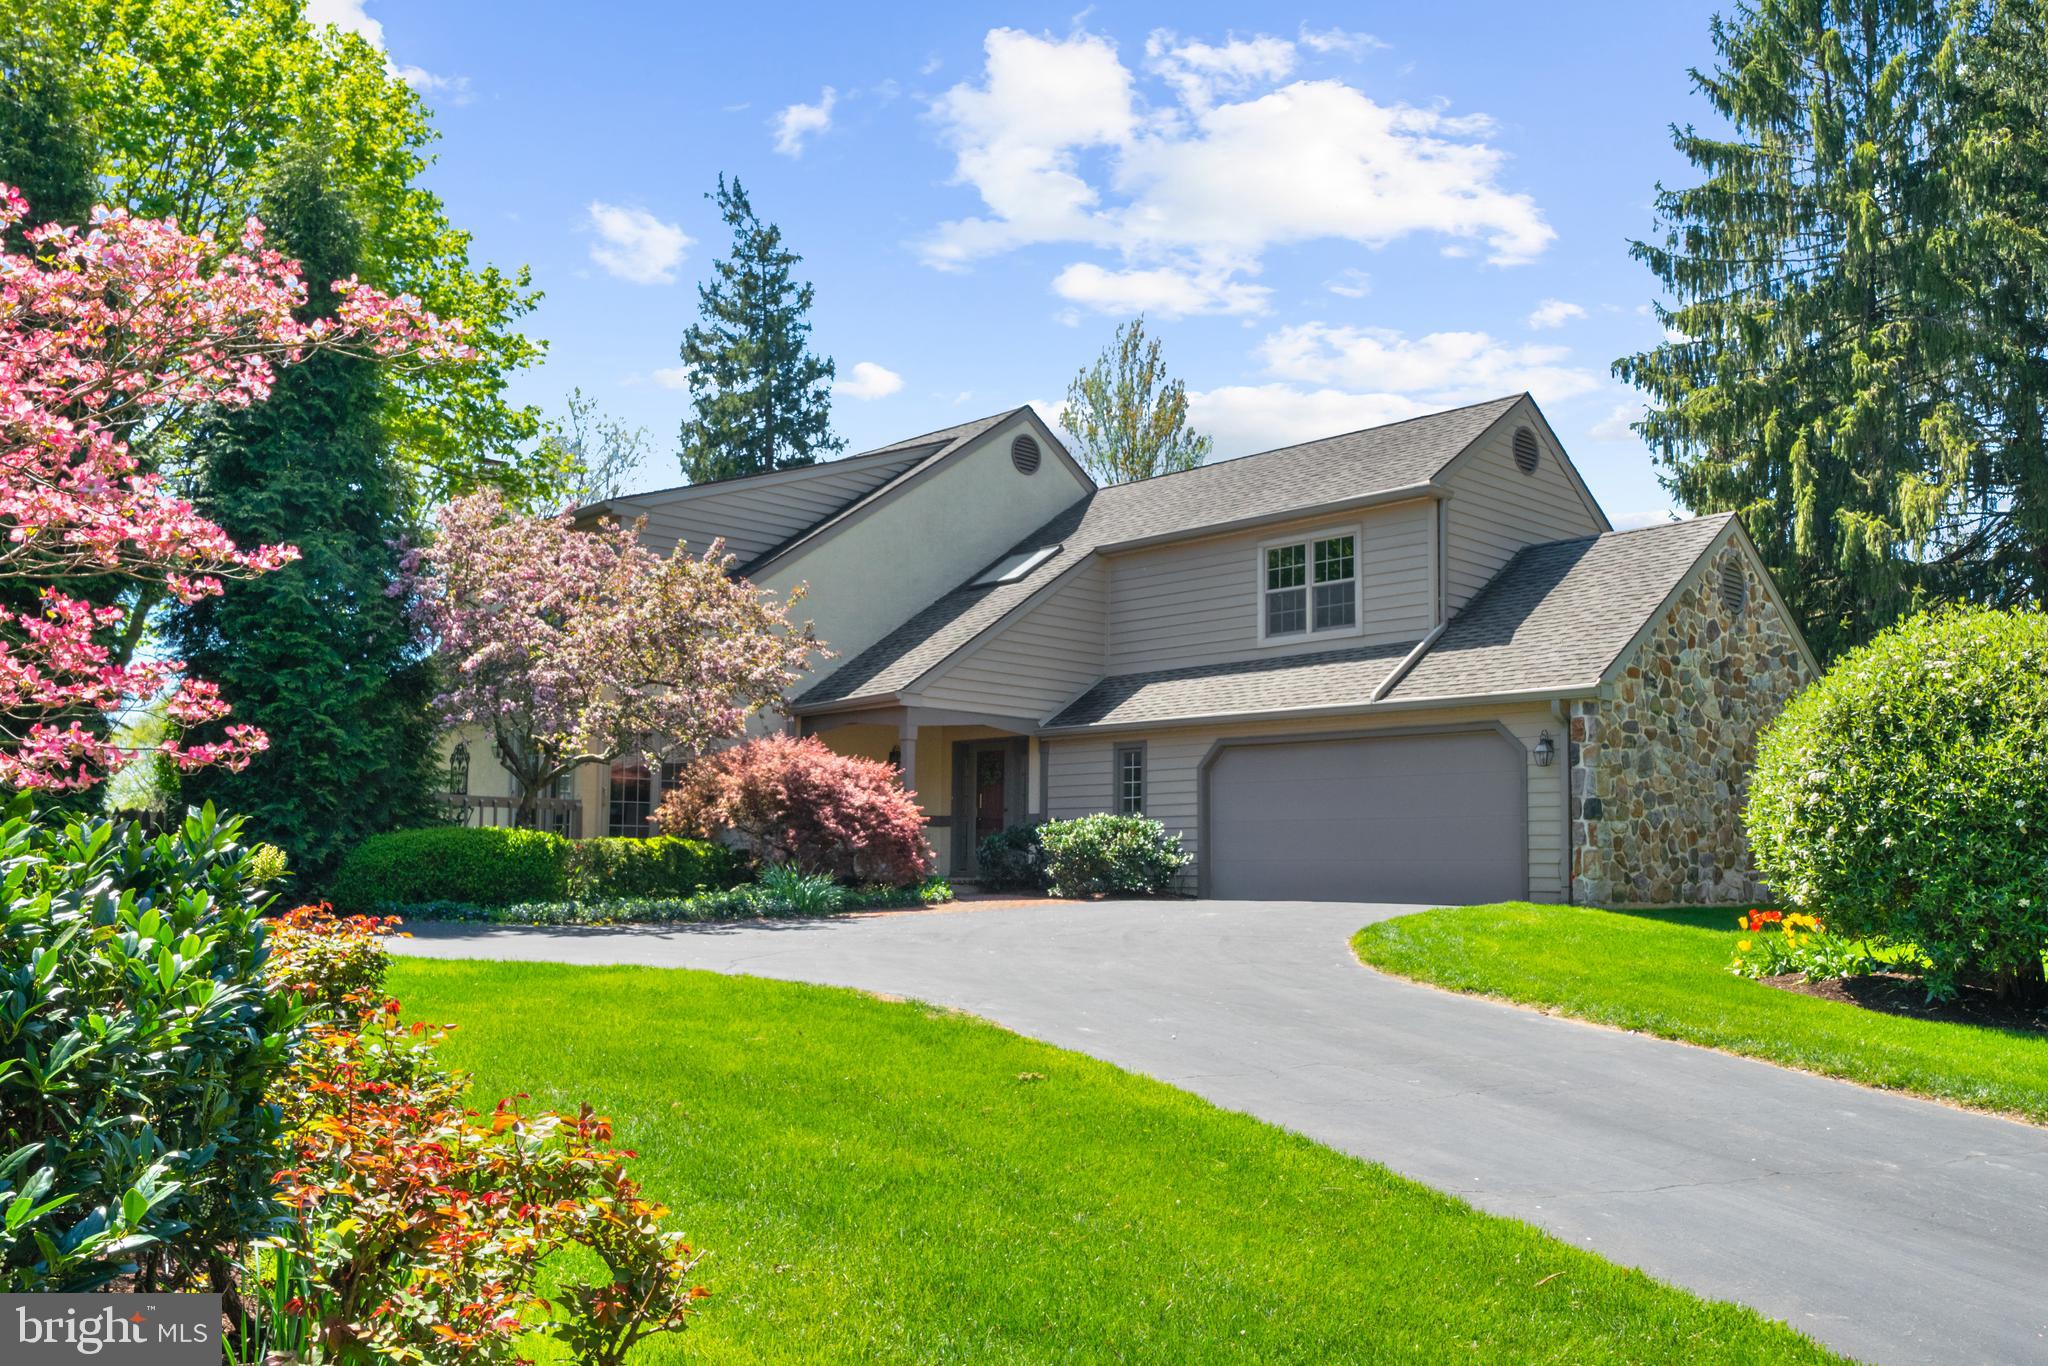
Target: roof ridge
1319 440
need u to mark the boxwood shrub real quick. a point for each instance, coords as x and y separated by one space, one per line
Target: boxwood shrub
496 867
1104 853
1905 795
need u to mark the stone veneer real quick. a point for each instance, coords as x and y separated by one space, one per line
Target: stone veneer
1660 761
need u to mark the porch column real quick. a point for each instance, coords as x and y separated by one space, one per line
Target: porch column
906 752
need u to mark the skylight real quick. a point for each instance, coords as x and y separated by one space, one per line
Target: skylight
1011 568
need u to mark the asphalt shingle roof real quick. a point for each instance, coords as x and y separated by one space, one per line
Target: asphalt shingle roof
1315 474
1284 684
1557 614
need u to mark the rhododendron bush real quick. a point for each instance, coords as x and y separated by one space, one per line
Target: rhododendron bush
575 644
106 332
797 803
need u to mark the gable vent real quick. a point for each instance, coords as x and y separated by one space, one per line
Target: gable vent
1734 586
1024 454
1527 452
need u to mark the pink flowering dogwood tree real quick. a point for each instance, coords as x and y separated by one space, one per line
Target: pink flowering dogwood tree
104 332
576 644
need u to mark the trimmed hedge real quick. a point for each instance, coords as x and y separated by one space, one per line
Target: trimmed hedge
665 866
748 902
495 867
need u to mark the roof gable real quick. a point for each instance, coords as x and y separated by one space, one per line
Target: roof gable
1355 469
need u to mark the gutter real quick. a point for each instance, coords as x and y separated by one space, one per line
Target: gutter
1591 689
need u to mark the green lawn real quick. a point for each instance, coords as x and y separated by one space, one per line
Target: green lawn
881 1180
1665 973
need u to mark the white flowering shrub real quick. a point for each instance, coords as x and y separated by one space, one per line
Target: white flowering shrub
1905 796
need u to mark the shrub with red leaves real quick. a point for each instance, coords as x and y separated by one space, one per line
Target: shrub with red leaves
795 802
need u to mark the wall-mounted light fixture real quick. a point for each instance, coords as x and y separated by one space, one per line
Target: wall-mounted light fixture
1546 750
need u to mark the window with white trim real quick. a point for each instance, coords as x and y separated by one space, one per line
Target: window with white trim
1130 780
1310 587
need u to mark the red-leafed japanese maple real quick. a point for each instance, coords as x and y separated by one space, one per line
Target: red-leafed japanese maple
796 803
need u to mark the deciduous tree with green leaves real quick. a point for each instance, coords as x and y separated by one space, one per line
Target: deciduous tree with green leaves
188 104
1130 421
1854 358
321 653
761 400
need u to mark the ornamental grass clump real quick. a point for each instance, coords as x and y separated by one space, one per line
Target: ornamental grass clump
1904 797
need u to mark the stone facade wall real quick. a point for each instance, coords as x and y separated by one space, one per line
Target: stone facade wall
1661 761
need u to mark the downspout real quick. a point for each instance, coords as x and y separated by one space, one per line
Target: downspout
1571 824
1408 661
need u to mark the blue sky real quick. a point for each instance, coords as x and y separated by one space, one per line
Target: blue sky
1331 216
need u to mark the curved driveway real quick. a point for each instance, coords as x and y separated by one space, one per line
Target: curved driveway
1891 1229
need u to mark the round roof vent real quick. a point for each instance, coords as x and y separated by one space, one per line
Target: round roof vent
1527 452
1024 454
1734 586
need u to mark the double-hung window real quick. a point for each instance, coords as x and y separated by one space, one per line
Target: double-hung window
1310 587
1130 780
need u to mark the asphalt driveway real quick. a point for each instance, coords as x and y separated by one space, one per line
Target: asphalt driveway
1892 1229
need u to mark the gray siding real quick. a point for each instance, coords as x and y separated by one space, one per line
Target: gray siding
1038 663
1198 603
755 515
1078 774
1494 509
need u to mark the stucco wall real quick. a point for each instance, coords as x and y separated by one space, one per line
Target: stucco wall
1660 762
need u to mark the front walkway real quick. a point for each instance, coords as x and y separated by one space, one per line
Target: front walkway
1892 1229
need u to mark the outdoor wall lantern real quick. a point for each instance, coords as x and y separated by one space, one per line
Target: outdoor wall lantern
1546 750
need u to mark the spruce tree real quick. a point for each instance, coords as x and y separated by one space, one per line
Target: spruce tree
761 400
1808 379
319 654
45 151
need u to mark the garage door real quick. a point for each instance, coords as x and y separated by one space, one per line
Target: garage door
1411 818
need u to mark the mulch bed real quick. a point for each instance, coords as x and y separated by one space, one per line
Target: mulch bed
1896 993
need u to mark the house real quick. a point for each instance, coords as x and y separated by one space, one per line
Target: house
1414 663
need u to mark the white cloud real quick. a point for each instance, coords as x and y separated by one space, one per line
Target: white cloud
1167 291
674 376
1554 313
1061 146
635 245
1198 72
350 17
1351 282
1245 418
869 381
1343 41
800 121
1440 367
1618 424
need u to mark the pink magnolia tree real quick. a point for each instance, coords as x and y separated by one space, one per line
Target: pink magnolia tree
105 332
576 645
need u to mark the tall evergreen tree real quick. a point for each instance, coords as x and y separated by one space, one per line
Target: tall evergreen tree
45 151
1808 382
1130 421
320 653
762 401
